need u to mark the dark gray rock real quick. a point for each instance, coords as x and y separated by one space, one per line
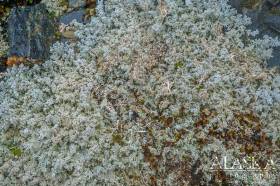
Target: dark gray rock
2 64
273 22
11 3
256 20
77 15
236 4
31 31
76 3
274 2
275 60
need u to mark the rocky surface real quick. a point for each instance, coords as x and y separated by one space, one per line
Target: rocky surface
2 66
79 10
77 15
31 28
273 2
19 2
31 32
273 22
76 3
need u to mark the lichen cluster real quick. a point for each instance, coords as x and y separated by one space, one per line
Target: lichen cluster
4 12
146 95
3 43
56 7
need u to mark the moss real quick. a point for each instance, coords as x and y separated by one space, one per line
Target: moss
250 4
64 3
199 87
3 52
58 35
51 15
275 11
117 138
179 64
15 150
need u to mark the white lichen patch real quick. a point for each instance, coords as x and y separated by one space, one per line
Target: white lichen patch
146 95
3 43
57 7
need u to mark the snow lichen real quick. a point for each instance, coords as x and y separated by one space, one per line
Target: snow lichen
56 7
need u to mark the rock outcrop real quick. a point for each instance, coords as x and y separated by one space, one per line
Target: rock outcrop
77 15
265 16
31 32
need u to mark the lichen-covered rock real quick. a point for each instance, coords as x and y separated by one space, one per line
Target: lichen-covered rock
273 22
30 31
76 3
265 17
74 15
275 60
274 2
236 4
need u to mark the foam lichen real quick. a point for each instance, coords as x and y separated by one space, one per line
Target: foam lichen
56 7
4 13
145 96
3 43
